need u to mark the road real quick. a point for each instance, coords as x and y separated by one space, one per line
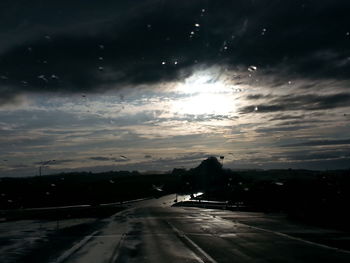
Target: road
153 231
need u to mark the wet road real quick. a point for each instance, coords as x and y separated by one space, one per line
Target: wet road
152 231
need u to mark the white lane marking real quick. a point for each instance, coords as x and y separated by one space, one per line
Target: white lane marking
294 238
199 250
75 248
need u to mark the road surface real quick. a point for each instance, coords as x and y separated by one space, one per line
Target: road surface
152 231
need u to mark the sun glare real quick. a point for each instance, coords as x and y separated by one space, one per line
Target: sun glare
200 104
202 95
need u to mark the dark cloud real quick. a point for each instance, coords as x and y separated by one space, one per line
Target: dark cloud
320 143
100 158
64 47
104 159
54 162
307 102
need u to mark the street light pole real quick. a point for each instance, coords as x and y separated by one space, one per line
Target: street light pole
43 164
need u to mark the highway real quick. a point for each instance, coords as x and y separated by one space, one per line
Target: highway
153 231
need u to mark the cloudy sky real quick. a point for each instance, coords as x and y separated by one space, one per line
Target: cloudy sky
156 84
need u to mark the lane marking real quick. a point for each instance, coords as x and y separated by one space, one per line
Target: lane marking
74 249
200 252
116 251
291 237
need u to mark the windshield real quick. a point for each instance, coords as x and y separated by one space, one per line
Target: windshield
106 102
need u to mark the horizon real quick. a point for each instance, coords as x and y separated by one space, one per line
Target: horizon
160 172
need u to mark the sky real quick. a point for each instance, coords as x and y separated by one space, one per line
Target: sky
153 84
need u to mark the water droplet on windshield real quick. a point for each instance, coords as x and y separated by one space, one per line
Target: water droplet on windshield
100 68
252 68
101 46
256 108
197 25
163 62
43 78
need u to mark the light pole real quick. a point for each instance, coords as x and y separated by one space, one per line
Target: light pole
43 164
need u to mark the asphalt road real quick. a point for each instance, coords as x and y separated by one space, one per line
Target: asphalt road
152 231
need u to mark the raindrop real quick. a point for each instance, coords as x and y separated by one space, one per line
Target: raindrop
252 68
10 201
149 26
53 185
101 46
175 62
348 33
24 82
289 82
203 10
47 37
256 108
111 181
163 62
225 47
30 49
47 193
3 77
53 76
197 25
100 58
45 61
43 78
100 68
192 32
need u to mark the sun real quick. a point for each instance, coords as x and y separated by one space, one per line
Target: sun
203 95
